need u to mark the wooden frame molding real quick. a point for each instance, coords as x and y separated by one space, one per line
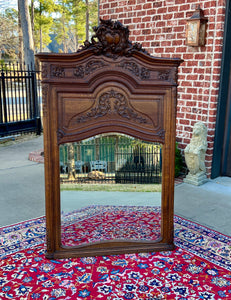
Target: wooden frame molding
111 85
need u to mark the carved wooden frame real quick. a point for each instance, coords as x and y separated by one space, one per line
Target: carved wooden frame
111 85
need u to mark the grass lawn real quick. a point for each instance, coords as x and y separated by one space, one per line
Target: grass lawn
112 187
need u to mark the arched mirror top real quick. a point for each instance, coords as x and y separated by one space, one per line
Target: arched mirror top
111 105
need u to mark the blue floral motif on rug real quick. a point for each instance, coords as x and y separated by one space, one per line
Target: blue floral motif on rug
199 267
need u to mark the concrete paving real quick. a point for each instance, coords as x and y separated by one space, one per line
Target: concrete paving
71 200
22 193
208 204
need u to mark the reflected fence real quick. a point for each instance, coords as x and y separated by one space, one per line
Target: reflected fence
20 99
113 158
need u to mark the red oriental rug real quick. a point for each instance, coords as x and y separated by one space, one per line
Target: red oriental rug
97 223
199 268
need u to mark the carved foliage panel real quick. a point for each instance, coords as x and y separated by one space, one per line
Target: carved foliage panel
111 106
91 67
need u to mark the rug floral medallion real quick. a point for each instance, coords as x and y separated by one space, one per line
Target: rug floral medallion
199 267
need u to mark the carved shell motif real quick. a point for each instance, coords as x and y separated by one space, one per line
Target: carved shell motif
111 40
112 102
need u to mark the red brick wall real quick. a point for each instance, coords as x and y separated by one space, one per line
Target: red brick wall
160 26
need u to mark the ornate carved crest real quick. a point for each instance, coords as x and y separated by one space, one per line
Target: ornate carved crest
111 39
112 102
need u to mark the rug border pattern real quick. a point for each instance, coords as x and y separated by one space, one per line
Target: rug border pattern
220 255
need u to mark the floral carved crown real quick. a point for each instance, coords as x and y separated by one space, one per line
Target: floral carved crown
111 39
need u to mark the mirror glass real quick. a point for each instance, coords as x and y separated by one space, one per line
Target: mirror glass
110 190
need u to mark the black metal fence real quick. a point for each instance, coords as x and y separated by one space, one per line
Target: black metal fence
20 100
113 158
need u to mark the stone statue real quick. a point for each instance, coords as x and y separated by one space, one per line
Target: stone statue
195 155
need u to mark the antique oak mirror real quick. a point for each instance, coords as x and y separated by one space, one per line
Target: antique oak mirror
110 90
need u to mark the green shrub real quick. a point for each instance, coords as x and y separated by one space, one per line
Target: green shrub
178 161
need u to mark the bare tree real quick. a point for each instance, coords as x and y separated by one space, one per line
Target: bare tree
28 42
8 35
87 20
20 38
32 17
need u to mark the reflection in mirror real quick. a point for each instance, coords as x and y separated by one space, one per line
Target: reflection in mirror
110 190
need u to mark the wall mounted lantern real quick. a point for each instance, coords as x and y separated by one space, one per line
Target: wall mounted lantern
195 28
